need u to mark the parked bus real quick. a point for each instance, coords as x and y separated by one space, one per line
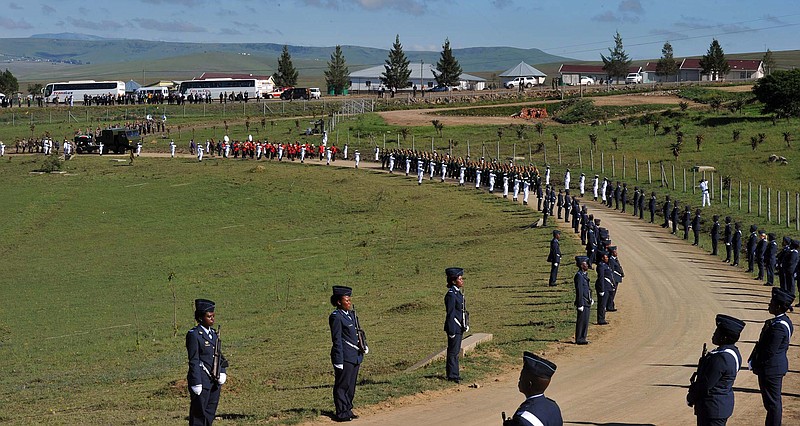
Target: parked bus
77 89
215 87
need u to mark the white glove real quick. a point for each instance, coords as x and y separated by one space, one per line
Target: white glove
750 365
451 336
602 293
222 378
555 264
339 366
366 350
592 302
196 389
466 329
580 308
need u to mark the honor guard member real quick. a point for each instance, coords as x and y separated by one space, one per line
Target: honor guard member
567 179
567 206
391 162
583 300
478 178
591 241
357 156
624 196
595 186
711 388
752 242
172 148
686 221
505 185
346 352
641 204
617 273
666 210
704 191
546 209
736 243
771 258
715 235
540 194
789 267
560 203
201 345
781 258
582 184
728 237
456 320
603 285
768 360
420 172
603 191
461 171
492 177
636 196
675 217
652 207
761 248
547 175
537 410
554 257
696 221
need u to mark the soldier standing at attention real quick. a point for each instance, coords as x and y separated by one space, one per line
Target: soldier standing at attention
346 355
624 196
618 274
357 157
595 186
771 258
582 184
711 392
736 243
696 222
567 179
583 300
636 200
603 285
715 235
560 202
652 207
201 343
667 209
533 381
761 248
728 237
567 206
172 148
641 204
752 242
554 257
768 360
455 321
675 217
686 221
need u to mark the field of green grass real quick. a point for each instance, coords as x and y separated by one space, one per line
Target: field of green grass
88 335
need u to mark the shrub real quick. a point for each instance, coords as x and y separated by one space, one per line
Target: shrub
51 164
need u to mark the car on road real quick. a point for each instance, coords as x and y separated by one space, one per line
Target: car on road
296 93
586 81
439 89
276 92
633 78
314 93
526 82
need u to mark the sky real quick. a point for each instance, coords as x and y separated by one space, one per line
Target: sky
580 29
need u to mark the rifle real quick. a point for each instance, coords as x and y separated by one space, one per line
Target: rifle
362 336
464 316
217 359
691 396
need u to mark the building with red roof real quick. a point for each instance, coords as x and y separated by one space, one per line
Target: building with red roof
689 70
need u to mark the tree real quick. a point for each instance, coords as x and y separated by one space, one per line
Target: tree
617 63
787 137
35 89
667 65
438 125
699 140
769 62
8 83
713 63
337 76
396 71
780 93
286 74
449 70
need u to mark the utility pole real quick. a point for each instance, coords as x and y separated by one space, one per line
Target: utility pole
420 74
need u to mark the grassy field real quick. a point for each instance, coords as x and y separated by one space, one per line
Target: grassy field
88 334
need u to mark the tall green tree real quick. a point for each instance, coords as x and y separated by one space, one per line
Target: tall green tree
769 62
780 93
617 63
8 83
449 70
396 68
667 66
713 63
35 89
286 74
337 76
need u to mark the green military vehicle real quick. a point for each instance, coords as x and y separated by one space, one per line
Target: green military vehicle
117 140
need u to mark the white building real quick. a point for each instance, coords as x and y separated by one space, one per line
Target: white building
422 75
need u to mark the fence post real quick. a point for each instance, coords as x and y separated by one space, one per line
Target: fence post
778 206
694 179
684 180
749 197
649 174
730 187
602 163
769 204
636 163
740 195
673 178
711 189
788 209
613 167
623 167
720 188
580 159
797 211
545 154
591 157
759 200
559 154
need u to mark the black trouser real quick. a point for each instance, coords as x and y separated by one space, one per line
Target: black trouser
736 251
652 216
760 264
553 274
203 407
538 202
702 420
770 387
344 389
728 252
770 272
544 217
559 211
696 236
751 258
610 303
714 243
453 349
582 324
602 302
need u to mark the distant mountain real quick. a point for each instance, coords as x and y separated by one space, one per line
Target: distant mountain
85 49
68 36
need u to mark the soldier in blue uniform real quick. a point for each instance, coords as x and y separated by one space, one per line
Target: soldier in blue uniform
201 343
636 196
758 256
768 359
711 390
618 274
715 235
455 320
652 207
603 285
554 257
752 242
736 243
537 410
583 300
696 222
346 353
666 210
728 237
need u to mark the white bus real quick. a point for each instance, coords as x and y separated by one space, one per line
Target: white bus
216 86
77 89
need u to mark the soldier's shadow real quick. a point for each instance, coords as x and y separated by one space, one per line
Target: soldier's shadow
567 422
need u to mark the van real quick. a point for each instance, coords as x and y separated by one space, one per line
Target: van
633 78
152 90
315 93
295 93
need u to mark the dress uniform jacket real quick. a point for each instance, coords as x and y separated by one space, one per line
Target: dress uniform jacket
712 391
537 410
454 307
344 338
769 355
752 244
200 346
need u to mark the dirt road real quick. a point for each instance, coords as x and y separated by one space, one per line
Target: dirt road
637 371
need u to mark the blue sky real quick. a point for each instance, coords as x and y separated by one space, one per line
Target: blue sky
572 28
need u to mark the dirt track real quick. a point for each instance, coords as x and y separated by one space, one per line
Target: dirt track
423 117
637 370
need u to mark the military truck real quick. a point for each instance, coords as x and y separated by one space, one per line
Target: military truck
116 140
